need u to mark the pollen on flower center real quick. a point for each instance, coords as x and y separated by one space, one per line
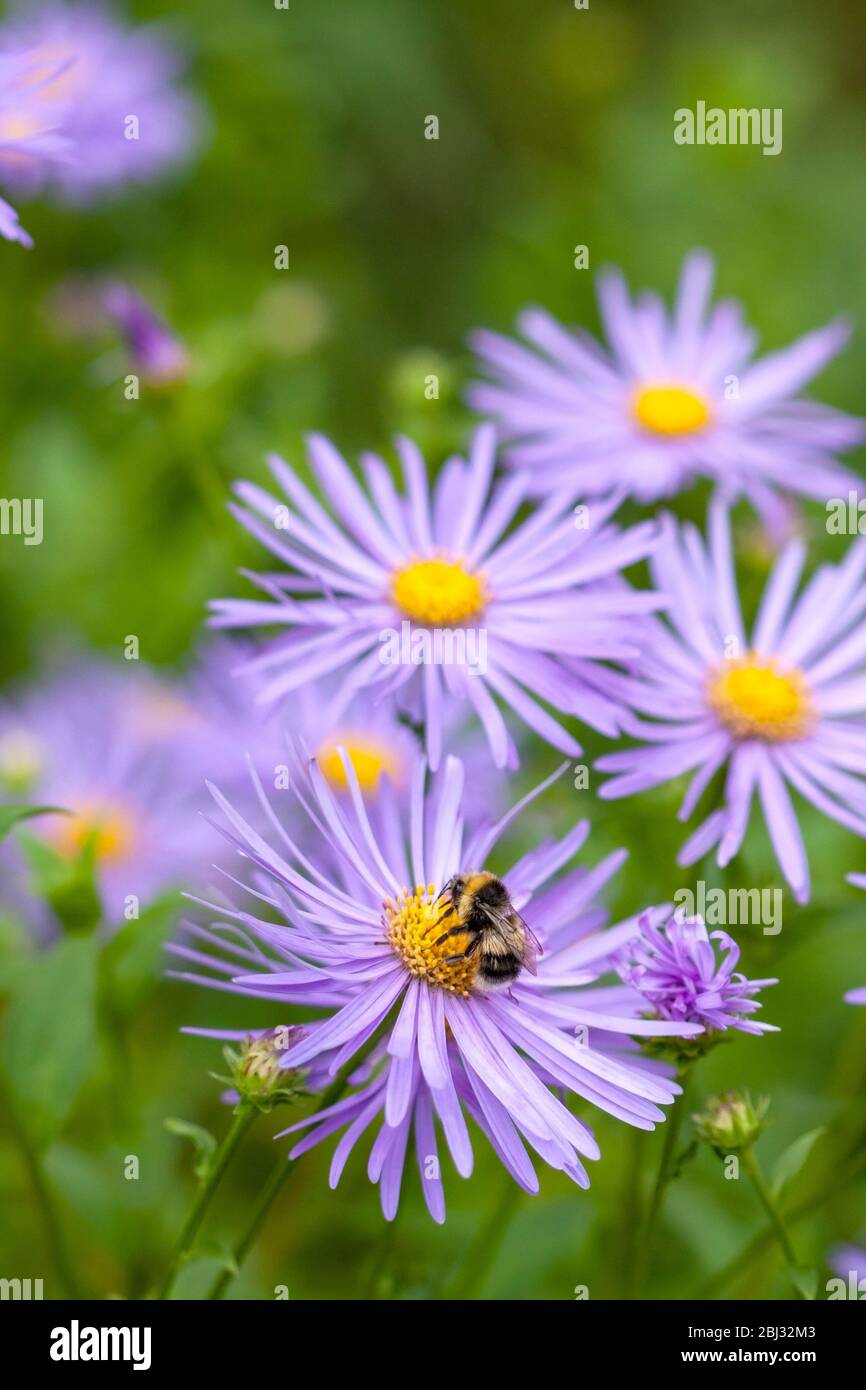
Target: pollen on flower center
668 409
414 924
438 593
370 757
755 700
109 829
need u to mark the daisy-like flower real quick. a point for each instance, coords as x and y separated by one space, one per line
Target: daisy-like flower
347 934
784 708
423 599
86 105
673 398
673 964
222 688
125 753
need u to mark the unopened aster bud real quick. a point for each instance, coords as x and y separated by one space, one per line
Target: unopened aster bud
730 1123
257 1073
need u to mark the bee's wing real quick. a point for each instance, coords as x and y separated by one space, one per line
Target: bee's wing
504 923
534 948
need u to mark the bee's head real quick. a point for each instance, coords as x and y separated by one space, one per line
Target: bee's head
453 891
476 887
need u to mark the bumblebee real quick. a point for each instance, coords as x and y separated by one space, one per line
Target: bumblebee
481 908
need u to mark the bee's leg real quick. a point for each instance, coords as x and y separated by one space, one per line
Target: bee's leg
442 915
459 930
465 955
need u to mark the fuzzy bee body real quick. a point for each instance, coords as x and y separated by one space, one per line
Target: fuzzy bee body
481 908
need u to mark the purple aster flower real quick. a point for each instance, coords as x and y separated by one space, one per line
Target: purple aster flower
223 688
30 141
124 752
87 106
673 965
785 707
423 599
343 932
674 397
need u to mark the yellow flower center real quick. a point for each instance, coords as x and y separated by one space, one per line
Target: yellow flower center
438 593
755 700
371 758
664 408
109 829
15 126
414 924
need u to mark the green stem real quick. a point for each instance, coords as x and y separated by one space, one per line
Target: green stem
750 1252
284 1168
45 1202
753 1168
53 1228
631 1200
243 1118
673 1125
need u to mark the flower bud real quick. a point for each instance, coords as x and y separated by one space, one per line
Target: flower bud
731 1123
257 1072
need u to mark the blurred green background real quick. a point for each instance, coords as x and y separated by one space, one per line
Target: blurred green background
555 130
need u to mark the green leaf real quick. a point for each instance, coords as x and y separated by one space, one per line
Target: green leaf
202 1141
134 957
789 1163
69 886
48 1041
215 1250
12 815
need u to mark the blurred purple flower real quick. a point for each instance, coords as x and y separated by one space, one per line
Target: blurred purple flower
846 1260
154 352
343 933
674 398
673 965
379 567
87 106
127 754
785 706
